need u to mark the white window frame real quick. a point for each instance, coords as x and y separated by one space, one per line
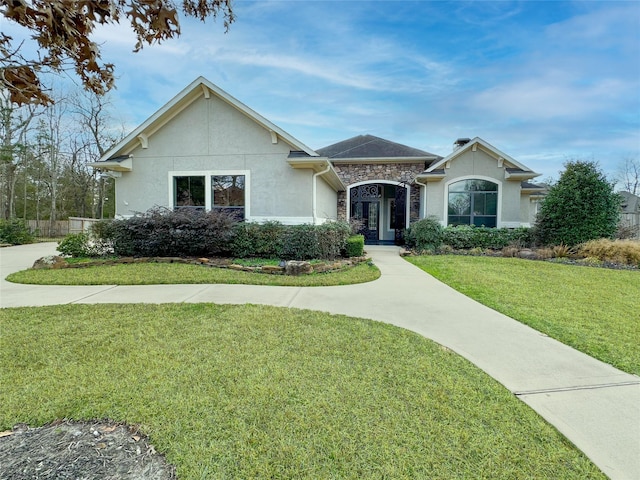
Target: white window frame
207 174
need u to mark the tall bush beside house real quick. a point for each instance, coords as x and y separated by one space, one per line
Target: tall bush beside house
579 207
425 235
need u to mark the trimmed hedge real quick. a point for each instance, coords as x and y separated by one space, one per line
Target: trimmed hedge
467 237
354 246
161 232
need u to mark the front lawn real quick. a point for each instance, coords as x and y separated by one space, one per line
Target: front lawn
594 310
177 273
229 391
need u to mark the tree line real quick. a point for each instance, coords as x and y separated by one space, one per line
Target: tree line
44 157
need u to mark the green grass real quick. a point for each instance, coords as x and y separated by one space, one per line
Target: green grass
594 310
261 392
175 273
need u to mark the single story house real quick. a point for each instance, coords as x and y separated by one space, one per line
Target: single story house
205 149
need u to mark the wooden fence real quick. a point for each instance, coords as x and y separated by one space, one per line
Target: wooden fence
60 228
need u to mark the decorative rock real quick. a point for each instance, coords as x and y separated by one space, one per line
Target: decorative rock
51 261
294 267
203 260
272 269
530 254
233 266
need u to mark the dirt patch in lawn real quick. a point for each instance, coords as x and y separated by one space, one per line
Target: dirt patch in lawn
80 451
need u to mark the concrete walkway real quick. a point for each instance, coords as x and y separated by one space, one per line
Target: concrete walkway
594 405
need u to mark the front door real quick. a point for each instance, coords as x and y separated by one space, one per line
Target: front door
365 208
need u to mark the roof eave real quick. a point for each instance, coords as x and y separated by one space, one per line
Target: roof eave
319 165
113 165
343 160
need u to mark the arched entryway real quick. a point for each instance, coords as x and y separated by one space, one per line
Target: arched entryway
382 210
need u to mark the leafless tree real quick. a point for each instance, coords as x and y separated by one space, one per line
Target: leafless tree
14 127
629 175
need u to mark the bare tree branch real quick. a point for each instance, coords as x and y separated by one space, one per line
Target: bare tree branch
62 30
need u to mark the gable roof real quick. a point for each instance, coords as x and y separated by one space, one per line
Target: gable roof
200 87
513 169
372 147
475 143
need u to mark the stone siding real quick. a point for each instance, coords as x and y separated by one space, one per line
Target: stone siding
351 173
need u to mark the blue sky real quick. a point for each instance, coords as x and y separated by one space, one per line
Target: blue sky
544 81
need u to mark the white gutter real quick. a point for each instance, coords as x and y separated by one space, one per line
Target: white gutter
314 200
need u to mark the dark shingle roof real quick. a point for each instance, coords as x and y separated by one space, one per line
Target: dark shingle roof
368 146
531 185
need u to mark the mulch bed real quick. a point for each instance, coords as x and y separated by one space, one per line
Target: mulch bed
80 451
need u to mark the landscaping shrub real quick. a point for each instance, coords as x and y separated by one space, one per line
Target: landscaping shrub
257 239
579 207
164 232
332 238
304 242
425 235
624 252
467 237
15 232
300 243
75 245
354 246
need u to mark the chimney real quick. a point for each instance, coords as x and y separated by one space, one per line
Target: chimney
460 142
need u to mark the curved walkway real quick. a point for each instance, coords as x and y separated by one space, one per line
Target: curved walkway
596 406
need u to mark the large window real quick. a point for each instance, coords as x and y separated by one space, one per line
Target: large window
227 192
210 191
473 202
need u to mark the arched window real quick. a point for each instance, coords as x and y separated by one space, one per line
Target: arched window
473 202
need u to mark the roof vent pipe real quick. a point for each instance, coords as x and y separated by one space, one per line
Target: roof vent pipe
460 142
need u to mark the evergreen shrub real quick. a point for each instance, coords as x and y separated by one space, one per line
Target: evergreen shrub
464 237
354 246
75 245
171 233
252 239
425 235
579 207
15 232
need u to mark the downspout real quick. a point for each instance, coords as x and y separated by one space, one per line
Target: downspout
314 200
424 208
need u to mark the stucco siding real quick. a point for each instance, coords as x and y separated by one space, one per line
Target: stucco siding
477 164
327 201
212 136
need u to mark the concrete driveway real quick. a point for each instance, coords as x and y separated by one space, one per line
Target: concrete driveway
596 406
